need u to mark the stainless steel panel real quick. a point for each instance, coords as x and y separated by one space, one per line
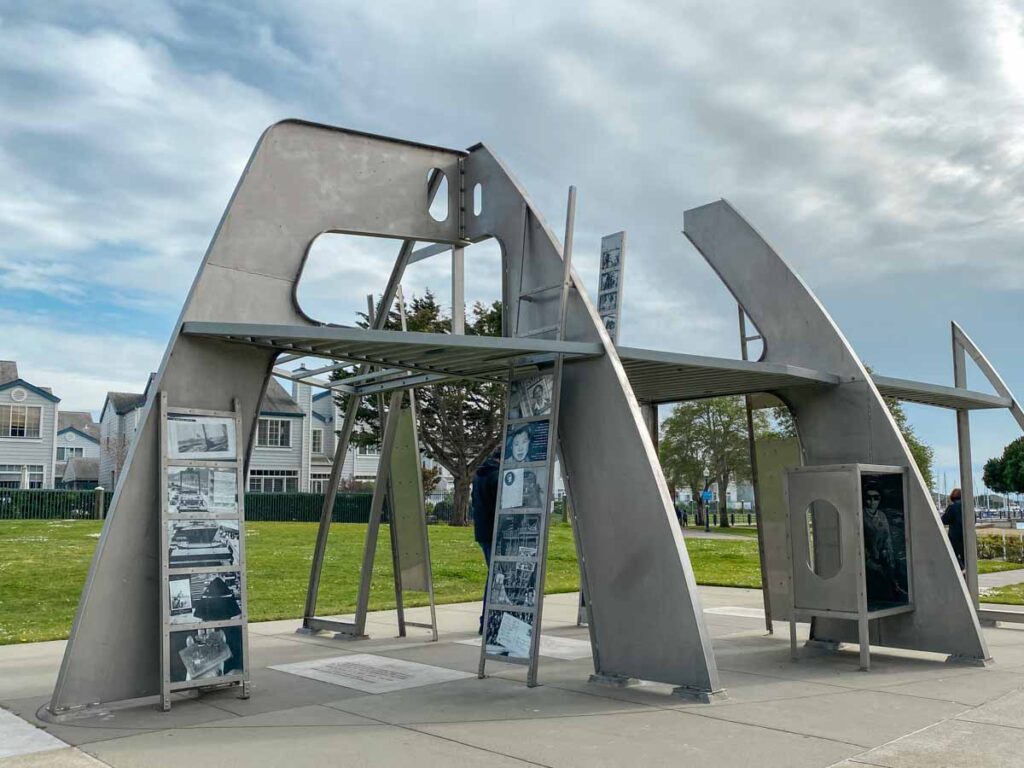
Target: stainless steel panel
846 423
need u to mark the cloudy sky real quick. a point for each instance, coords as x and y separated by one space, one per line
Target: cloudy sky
879 146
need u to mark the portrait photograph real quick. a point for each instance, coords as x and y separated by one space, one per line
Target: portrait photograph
523 488
530 397
526 442
885 540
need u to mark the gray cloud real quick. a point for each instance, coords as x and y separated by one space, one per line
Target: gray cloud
879 145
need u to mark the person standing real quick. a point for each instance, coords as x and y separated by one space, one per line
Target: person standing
954 518
484 499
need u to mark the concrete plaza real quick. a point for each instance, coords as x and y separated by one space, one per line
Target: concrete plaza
911 709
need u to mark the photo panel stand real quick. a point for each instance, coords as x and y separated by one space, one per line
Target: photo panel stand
399 483
849 546
514 600
203 594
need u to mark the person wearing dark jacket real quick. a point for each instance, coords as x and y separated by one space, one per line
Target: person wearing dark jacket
483 501
954 518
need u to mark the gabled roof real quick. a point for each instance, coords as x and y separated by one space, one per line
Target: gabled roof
8 371
322 394
80 422
81 468
123 402
277 402
41 391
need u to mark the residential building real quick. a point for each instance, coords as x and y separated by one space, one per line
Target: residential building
78 437
28 431
81 474
119 419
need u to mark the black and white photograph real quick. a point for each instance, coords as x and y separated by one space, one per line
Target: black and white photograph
201 437
885 540
609 282
610 258
530 397
523 488
199 597
509 634
607 302
192 490
518 536
202 543
205 653
611 324
515 582
527 442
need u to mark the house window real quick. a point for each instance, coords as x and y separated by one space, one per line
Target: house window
20 420
66 453
273 481
369 450
318 441
274 433
318 482
10 475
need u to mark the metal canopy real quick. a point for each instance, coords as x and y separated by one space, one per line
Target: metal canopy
409 358
938 395
665 377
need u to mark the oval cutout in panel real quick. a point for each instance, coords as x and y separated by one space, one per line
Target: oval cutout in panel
824 550
438 208
478 199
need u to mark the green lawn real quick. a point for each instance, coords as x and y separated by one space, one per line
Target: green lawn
995 566
43 566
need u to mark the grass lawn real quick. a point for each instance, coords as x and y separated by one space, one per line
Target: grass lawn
995 566
43 565
1012 594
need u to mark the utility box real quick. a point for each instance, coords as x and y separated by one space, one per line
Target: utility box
849 545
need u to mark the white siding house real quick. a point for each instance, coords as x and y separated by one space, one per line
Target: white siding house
119 419
28 431
279 461
78 437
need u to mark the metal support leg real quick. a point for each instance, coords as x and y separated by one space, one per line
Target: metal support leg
865 644
752 442
963 441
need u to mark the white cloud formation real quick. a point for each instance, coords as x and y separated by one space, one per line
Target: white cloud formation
878 145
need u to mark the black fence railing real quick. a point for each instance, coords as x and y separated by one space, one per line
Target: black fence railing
43 504
349 507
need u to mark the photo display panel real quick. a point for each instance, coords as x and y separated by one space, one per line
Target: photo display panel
885 540
514 586
204 603
609 282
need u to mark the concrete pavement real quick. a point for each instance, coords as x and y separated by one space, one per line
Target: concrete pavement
911 710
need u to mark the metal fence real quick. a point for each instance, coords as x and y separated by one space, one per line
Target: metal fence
349 507
41 504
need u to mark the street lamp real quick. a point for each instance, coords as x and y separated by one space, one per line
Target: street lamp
703 496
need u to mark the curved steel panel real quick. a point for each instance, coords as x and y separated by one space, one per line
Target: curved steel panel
846 423
301 180
646 616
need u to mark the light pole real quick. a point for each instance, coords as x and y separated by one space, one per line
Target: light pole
704 499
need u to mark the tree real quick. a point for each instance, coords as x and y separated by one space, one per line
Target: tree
1005 474
459 422
709 435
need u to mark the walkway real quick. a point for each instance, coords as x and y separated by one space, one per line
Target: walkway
910 710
